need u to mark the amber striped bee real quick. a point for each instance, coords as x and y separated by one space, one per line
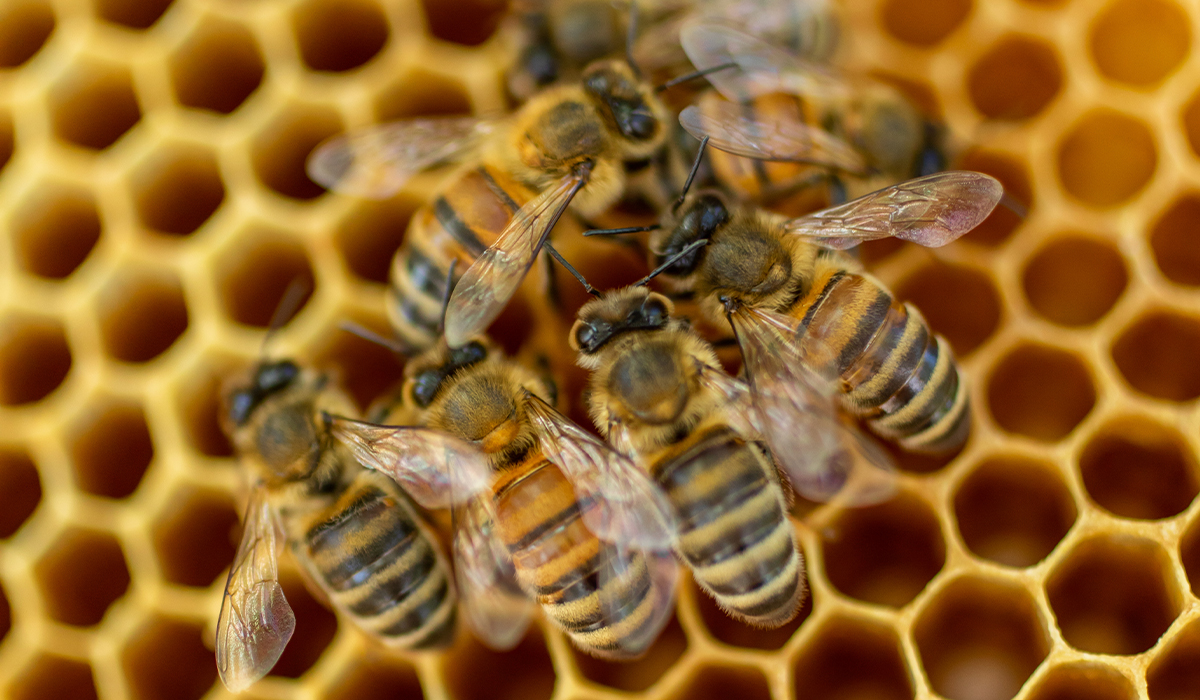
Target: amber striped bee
354 532
658 393
564 520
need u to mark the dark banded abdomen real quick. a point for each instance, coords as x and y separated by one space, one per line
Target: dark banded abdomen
382 565
733 528
896 374
609 603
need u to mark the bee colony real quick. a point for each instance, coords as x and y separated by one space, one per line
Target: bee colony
155 208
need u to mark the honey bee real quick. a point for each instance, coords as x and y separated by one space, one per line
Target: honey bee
555 39
799 123
354 532
659 394
565 520
575 144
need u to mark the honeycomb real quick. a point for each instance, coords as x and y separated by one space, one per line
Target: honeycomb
154 208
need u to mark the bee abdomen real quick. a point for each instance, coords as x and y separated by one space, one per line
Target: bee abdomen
734 532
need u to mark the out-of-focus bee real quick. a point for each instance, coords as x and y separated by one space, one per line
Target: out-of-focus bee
566 520
581 144
656 392
781 122
354 532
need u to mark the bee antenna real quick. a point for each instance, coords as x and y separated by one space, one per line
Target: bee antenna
295 294
687 184
446 296
562 261
631 34
671 261
393 344
618 231
693 75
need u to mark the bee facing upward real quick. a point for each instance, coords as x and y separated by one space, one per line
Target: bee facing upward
353 531
652 394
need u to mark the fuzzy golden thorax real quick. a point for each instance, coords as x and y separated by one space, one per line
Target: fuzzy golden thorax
486 404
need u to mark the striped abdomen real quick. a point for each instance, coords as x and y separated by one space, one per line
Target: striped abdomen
733 528
607 610
896 373
381 564
459 223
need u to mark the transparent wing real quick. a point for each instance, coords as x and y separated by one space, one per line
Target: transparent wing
375 162
797 410
625 570
731 129
493 278
801 25
435 468
619 503
256 621
493 604
738 407
761 67
930 211
620 438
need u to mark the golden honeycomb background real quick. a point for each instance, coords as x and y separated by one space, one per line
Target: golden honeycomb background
153 208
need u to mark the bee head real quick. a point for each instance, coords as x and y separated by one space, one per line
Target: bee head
269 378
699 218
429 376
620 311
628 104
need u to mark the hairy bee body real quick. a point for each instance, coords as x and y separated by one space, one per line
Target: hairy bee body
733 527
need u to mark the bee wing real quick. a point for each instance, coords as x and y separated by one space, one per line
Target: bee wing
619 502
738 407
485 288
256 621
798 415
493 604
375 162
435 468
761 67
625 570
731 129
930 211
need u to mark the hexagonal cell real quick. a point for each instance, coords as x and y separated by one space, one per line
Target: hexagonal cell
1157 355
467 22
1012 173
1106 158
1175 672
958 302
167 660
178 189
200 406
194 537
377 677
315 627
34 359
1140 42
135 14
1074 280
1114 595
256 274
337 35
55 229
217 68
1013 511
474 672
51 676
1173 240
923 22
722 682
280 151
980 639
1189 552
739 634
1083 681
884 554
82 575
24 29
142 313
20 491
1040 392
371 234
365 368
639 674
852 659
420 93
111 449
94 105
1015 79
1137 468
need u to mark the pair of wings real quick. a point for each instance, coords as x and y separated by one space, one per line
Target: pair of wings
376 162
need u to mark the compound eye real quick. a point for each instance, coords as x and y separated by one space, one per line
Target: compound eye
654 312
641 126
585 336
241 404
276 376
425 387
598 83
473 352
